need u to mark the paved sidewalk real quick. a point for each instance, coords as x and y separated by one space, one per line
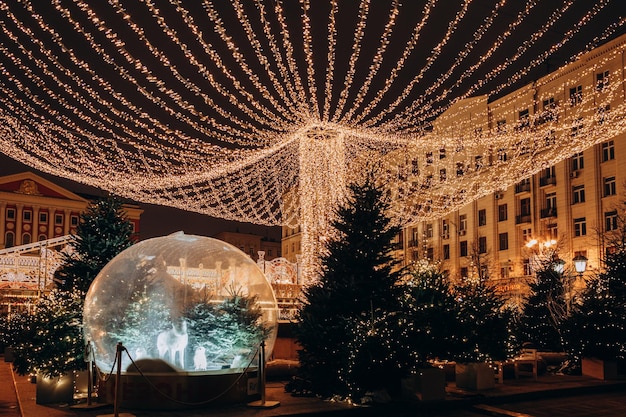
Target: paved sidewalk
18 389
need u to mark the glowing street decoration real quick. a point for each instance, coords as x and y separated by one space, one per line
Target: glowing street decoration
262 111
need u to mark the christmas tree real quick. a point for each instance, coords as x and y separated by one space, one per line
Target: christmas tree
483 323
597 327
544 310
102 233
50 340
346 326
430 316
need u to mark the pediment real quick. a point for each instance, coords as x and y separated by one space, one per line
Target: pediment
29 183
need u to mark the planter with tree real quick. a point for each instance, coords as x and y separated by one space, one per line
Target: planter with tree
483 337
429 330
596 332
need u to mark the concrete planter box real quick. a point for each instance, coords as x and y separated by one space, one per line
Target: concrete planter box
428 384
475 376
600 369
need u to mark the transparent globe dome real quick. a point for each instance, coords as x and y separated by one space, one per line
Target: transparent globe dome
180 303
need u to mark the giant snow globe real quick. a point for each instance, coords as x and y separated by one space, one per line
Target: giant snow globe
183 305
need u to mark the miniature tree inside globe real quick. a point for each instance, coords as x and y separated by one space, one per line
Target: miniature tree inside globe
181 303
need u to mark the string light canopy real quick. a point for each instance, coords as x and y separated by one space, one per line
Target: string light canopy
262 111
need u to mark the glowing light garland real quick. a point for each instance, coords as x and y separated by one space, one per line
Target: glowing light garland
262 112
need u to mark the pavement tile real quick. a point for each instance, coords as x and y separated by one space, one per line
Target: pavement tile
19 390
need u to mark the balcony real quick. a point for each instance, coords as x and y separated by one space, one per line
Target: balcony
548 212
547 181
524 218
522 187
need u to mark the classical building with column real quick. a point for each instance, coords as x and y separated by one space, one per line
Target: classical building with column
34 209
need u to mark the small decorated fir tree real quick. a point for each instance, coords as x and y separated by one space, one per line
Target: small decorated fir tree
102 233
544 310
597 327
50 340
430 325
483 323
340 326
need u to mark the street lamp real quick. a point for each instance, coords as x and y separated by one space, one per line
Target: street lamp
580 264
558 265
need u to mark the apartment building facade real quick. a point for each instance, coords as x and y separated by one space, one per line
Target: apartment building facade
564 209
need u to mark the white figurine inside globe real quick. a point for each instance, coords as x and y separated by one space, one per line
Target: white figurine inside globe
180 303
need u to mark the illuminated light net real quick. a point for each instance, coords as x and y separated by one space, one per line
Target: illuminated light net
262 111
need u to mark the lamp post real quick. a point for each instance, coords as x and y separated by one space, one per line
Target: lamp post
580 264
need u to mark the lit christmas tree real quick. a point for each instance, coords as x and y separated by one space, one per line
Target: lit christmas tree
102 233
346 326
544 310
597 328
483 323
50 340
430 317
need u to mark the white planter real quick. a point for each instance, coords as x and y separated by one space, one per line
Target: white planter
428 384
475 376
598 368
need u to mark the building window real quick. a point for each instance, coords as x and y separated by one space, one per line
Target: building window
445 229
553 231
576 127
550 206
610 220
442 153
430 254
503 239
549 111
482 244
482 217
429 230
43 217
74 220
460 169
446 251
27 216
42 237
578 194
609 186
576 95
429 158
25 238
58 219
463 248
501 126
527 268
9 239
502 212
464 272
608 151
578 162
462 224
524 119
603 112
525 207
502 156
10 214
580 226
478 162
442 174
602 80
